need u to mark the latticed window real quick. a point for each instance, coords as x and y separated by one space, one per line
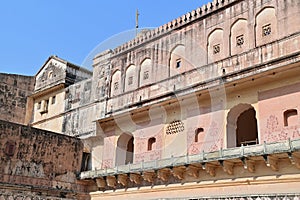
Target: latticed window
146 75
266 30
175 127
216 49
130 80
240 40
116 85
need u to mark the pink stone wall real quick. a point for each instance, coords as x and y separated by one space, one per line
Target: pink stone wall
141 149
109 155
272 105
211 139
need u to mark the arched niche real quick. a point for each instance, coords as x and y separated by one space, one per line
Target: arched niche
215 45
239 37
241 126
265 26
130 78
146 72
116 83
125 149
177 62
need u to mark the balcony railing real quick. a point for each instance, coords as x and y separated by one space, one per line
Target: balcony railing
241 153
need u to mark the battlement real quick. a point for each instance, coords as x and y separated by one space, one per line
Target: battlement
194 15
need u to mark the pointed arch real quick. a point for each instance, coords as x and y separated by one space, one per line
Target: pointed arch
290 117
115 86
215 45
146 72
130 78
241 126
125 149
151 142
177 61
239 36
265 26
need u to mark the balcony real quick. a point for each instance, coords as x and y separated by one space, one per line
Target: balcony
187 168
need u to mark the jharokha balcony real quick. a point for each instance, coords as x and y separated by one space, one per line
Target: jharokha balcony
239 162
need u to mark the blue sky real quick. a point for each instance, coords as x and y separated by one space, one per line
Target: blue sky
33 30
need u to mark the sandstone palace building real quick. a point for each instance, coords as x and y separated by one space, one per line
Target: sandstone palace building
206 106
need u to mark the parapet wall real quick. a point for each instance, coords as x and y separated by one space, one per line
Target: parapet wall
38 164
180 22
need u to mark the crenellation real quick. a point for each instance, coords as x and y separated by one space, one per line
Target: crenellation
173 25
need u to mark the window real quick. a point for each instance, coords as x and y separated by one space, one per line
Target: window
116 85
130 80
239 40
266 30
50 75
86 162
151 141
44 107
53 100
146 75
10 148
198 131
39 105
178 63
46 104
175 127
290 117
216 49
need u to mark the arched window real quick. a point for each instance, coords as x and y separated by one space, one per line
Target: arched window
125 149
290 117
50 75
198 131
241 126
86 162
151 142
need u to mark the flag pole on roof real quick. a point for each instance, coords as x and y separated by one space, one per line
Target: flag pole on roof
136 21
